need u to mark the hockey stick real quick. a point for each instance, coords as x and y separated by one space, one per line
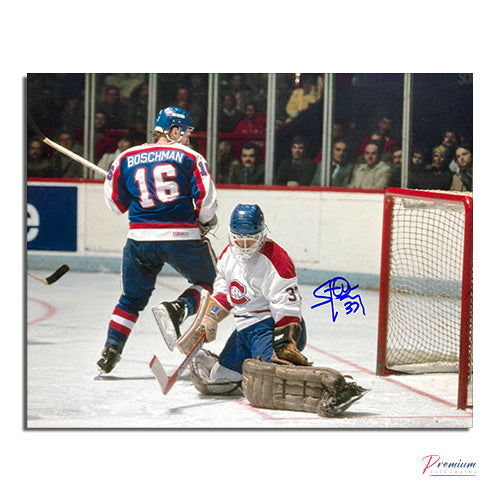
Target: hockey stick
53 277
166 382
63 150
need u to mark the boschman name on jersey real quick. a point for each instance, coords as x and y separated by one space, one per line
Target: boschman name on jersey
154 156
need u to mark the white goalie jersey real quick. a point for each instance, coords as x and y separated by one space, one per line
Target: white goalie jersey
260 287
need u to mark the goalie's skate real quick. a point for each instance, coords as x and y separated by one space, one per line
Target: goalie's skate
345 399
170 316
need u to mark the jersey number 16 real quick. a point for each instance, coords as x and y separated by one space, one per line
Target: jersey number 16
165 188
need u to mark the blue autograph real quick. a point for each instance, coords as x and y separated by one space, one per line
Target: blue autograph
338 288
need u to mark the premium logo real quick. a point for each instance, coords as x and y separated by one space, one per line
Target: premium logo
435 466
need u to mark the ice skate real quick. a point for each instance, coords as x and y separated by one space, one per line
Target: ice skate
170 316
110 357
349 395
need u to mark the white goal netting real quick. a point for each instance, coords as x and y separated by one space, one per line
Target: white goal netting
426 286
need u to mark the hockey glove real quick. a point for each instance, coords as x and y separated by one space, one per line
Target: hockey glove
285 340
213 314
208 226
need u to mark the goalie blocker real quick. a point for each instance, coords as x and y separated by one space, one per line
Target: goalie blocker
213 314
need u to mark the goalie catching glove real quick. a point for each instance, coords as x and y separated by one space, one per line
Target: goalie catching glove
214 313
285 340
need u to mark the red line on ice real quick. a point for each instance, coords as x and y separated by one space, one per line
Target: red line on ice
50 311
392 381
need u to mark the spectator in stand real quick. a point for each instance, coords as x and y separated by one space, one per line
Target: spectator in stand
229 116
254 122
102 141
124 141
46 110
38 165
125 82
451 140
299 169
250 170
226 162
303 97
257 83
463 180
377 137
396 167
63 165
337 133
198 105
437 175
341 168
385 156
114 109
384 125
138 106
418 162
73 113
418 158
241 94
139 134
181 98
373 173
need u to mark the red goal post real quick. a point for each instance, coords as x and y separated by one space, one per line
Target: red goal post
425 298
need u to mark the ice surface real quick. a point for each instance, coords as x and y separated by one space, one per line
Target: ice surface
66 330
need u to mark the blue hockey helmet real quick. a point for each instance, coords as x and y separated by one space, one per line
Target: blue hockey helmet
173 117
247 230
246 219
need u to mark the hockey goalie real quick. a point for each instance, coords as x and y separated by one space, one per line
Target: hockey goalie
256 280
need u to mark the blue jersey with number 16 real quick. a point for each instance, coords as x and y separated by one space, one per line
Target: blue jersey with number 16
166 189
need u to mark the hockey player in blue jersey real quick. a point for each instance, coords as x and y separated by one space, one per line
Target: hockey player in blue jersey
171 200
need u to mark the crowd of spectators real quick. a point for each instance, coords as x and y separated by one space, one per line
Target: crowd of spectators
61 117
376 163
369 160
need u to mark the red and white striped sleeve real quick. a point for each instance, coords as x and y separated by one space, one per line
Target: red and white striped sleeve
116 196
204 192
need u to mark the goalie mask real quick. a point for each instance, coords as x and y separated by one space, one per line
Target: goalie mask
173 117
247 231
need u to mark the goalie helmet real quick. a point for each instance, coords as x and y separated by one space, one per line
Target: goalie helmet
173 117
247 230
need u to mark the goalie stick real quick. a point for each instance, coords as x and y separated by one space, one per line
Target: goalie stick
53 277
166 382
63 150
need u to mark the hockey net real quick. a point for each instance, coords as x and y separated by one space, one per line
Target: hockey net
425 309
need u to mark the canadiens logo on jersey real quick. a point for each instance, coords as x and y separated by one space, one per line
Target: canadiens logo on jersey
237 292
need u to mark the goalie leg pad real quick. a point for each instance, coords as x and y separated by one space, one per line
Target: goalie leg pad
209 377
324 391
